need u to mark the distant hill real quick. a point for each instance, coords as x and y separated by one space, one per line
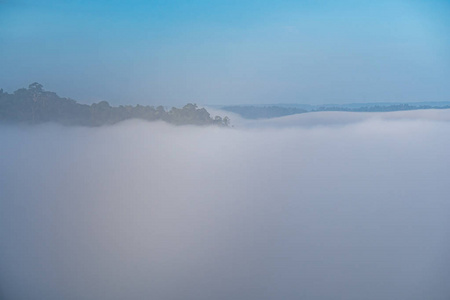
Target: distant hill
34 105
274 111
258 112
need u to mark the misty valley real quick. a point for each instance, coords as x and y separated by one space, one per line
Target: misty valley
224 150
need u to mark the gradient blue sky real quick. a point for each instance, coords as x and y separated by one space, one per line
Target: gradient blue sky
228 52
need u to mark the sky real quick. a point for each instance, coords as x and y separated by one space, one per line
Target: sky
327 205
228 52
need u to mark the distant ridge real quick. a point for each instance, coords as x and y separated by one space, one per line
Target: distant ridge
279 110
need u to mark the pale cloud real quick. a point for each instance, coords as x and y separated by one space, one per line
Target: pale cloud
316 206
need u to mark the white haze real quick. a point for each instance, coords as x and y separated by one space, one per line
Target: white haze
315 206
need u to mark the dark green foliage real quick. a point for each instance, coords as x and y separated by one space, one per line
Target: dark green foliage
35 105
190 114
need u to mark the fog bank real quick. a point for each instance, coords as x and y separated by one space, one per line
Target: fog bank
313 206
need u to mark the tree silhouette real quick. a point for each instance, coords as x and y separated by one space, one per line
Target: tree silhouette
35 105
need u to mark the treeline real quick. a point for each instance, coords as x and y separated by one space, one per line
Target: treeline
34 105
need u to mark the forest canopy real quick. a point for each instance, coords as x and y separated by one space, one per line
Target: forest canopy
34 105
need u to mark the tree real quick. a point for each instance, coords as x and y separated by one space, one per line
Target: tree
36 87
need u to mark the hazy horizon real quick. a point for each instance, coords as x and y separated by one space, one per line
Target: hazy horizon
220 105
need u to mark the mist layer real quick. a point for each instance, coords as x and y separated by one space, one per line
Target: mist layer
337 206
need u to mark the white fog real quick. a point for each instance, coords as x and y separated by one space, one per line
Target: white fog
327 205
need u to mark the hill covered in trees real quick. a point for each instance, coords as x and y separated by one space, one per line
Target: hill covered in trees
34 105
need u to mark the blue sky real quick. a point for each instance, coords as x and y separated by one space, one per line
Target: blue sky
228 52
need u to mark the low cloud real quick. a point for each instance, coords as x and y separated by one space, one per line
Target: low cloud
314 206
